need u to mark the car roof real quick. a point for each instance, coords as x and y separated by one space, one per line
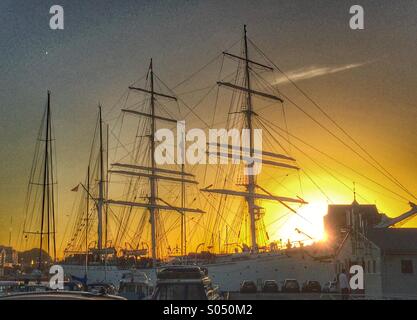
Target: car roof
179 281
181 272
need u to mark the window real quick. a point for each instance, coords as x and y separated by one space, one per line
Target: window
407 266
374 266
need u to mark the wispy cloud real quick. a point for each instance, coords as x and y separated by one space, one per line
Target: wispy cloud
316 71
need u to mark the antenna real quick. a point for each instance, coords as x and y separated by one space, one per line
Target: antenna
354 191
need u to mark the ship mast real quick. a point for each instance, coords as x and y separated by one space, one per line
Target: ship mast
152 180
154 173
100 201
251 180
183 217
250 195
87 196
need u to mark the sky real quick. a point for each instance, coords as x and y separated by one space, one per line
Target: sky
365 78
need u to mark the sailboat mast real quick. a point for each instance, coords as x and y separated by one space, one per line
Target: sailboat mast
183 220
107 186
153 170
251 179
51 204
45 183
100 188
47 186
86 220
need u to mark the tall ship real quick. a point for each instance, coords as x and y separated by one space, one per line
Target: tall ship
136 214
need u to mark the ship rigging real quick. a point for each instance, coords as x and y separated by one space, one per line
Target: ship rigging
232 205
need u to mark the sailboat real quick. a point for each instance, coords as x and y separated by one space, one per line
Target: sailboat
231 192
39 228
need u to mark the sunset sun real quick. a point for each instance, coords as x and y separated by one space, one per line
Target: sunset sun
306 225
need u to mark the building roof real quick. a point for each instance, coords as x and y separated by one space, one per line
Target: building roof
397 240
337 218
341 209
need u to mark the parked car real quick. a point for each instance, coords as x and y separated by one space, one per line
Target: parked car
270 286
291 286
311 286
330 287
248 287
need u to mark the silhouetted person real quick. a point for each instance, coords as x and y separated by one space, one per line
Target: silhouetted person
344 285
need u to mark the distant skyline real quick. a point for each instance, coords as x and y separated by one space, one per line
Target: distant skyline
366 79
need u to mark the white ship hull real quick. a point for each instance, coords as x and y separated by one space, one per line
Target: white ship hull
229 272
100 274
269 266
